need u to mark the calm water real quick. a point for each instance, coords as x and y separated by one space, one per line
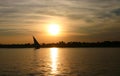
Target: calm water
60 62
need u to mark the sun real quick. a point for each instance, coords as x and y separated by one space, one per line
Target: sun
53 29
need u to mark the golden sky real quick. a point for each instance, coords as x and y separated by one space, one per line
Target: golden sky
78 20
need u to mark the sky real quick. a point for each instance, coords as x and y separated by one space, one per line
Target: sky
79 20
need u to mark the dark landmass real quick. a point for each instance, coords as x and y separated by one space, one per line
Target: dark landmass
65 44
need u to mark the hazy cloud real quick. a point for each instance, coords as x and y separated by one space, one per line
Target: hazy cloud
90 17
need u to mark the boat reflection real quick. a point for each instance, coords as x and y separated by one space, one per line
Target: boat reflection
54 54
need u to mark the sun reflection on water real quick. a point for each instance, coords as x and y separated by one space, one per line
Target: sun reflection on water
54 54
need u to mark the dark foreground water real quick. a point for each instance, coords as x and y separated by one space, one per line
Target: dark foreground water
60 62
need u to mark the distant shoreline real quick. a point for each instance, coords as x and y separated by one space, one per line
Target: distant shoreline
58 47
61 44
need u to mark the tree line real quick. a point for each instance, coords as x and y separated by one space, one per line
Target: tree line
65 44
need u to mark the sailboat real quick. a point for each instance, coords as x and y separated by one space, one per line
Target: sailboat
36 43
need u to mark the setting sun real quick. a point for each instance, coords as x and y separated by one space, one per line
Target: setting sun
53 29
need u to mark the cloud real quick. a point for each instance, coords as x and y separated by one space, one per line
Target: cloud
116 12
16 32
89 17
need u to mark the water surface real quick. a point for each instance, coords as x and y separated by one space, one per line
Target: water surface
60 62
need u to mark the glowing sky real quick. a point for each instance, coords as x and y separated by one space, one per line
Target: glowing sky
80 20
